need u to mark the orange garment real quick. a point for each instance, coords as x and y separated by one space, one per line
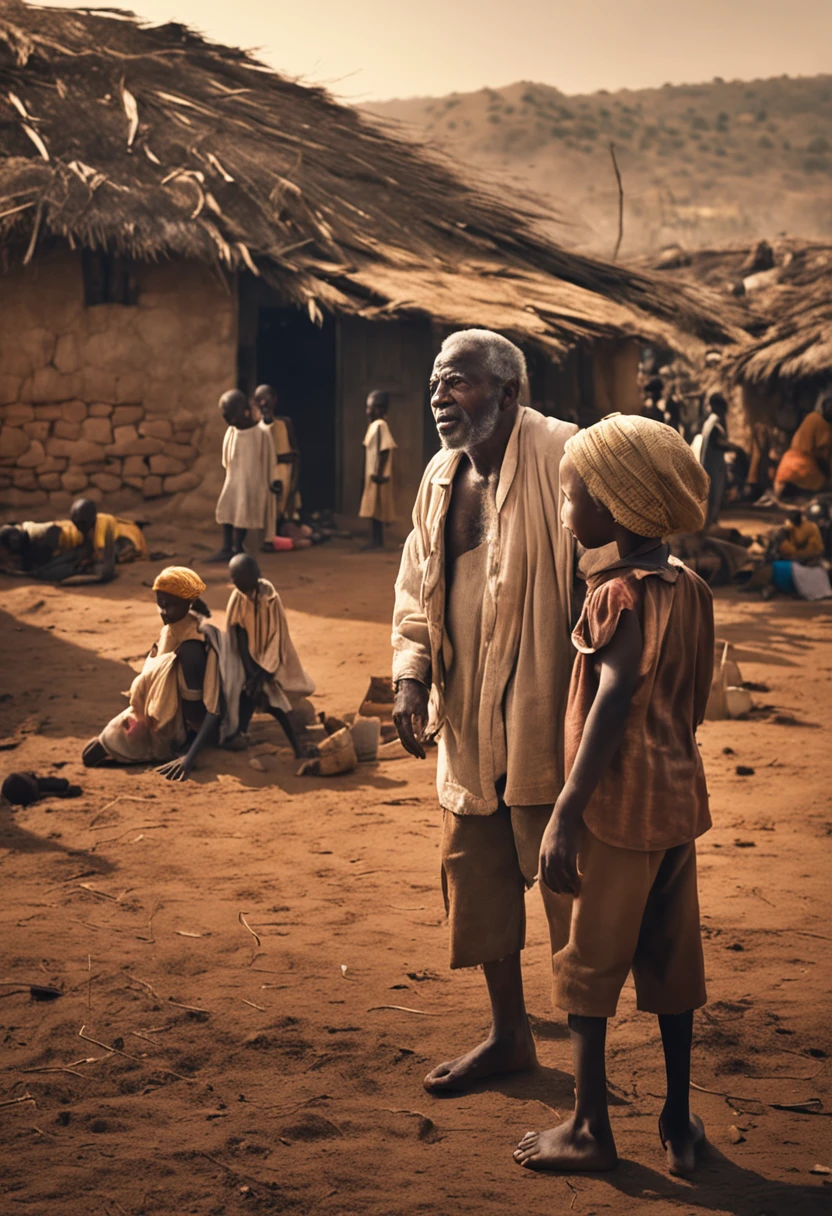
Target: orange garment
802 543
653 795
806 463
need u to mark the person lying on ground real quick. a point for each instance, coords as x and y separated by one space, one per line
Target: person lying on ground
22 789
256 623
64 548
247 497
801 540
481 634
618 857
175 700
377 501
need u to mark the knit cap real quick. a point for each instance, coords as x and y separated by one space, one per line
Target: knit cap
643 472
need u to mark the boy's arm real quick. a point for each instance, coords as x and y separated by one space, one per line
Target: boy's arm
617 666
382 461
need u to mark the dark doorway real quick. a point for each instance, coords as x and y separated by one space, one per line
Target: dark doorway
298 359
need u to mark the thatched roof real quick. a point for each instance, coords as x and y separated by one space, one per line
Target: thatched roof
155 143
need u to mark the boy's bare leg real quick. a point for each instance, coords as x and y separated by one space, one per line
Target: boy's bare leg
509 1047
584 1142
238 541
682 1133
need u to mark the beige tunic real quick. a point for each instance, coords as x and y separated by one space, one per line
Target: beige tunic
377 501
525 648
263 617
152 727
246 499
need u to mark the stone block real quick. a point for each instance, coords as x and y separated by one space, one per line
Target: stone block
5 481
135 466
166 465
16 415
38 345
48 413
135 483
61 500
66 357
135 447
49 481
184 436
152 487
74 411
48 384
77 451
13 442
159 327
66 430
94 494
37 430
34 455
131 386
9 388
98 430
73 481
24 498
156 428
180 451
98 385
100 409
181 482
106 482
24 479
127 415
53 464
183 419
124 434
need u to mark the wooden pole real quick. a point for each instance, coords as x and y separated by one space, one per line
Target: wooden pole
620 203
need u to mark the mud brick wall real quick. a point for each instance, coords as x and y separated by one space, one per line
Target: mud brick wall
113 402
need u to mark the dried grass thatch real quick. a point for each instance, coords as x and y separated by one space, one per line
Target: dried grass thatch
154 142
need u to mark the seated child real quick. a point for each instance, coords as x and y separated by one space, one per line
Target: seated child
256 623
176 699
618 857
247 499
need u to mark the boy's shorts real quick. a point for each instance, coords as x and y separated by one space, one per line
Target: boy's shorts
633 911
488 861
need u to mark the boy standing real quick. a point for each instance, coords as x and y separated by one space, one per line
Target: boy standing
377 499
618 858
257 625
248 460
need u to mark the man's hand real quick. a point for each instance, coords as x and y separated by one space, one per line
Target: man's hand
559 852
410 715
176 770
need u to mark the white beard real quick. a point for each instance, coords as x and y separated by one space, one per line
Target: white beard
472 434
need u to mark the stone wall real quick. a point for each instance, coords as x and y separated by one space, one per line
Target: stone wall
111 402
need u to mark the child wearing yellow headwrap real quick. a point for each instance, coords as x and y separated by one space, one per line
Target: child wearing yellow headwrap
175 698
618 858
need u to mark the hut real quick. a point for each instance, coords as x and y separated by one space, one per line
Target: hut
176 218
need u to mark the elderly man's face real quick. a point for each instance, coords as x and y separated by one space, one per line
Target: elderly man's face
466 402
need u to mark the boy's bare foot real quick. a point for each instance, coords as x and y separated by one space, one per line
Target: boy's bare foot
569 1147
495 1057
683 1152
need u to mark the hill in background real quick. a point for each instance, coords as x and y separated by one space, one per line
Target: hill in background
702 164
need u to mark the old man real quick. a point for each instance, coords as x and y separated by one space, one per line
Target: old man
483 659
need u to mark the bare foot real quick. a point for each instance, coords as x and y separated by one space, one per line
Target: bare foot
683 1152
569 1147
224 555
495 1057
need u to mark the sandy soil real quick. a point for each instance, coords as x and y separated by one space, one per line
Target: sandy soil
190 1067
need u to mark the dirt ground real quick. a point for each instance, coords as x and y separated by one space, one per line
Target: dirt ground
193 1067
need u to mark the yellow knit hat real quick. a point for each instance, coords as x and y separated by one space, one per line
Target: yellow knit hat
643 472
180 581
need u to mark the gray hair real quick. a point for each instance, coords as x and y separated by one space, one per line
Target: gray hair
503 360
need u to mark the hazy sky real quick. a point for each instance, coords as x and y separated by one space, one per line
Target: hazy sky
368 49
